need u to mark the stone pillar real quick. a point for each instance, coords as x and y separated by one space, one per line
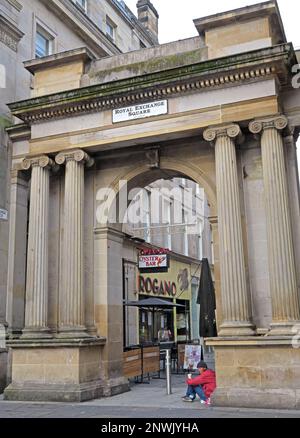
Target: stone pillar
236 307
213 220
71 300
36 307
16 273
283 283
290 149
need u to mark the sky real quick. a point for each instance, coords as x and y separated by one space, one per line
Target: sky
176 18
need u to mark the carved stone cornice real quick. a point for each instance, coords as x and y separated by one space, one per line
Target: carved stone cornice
232 131
41 161
137 97
277 122
10 35
233 70
78 155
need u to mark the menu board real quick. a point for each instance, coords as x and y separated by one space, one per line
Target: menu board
192 356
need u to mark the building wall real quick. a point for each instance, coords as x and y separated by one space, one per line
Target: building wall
24 16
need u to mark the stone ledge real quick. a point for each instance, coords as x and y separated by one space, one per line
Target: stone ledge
54 392
58 59
256 398
254 341
66 393
56 343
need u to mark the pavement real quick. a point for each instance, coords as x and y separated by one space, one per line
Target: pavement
143 401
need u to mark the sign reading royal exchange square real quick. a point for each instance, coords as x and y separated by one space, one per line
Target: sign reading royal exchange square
229 120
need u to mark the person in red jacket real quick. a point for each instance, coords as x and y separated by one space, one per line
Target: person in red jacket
202 385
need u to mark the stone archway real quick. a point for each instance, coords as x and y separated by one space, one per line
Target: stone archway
221 99
109 242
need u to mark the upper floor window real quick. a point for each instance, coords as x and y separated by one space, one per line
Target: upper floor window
81 3
142 45
110 28
43 43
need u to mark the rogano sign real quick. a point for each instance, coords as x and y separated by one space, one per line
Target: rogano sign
140 111
175 282
155 286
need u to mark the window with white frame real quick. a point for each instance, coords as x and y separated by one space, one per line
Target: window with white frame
200 240
81 3
167 204
110 28
185 218
44 42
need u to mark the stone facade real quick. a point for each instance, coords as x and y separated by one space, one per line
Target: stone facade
66 26
262 374
228 122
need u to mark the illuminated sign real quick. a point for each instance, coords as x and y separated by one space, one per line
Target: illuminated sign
153 261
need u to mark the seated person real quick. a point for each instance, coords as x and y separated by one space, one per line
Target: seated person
164 335
202 385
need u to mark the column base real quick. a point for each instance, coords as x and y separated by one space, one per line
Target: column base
56 370
36 333
73 333
285 329
253 398
256 372
65 393
115 386
237 329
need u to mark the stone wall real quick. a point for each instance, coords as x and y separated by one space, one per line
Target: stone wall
261 376
3 367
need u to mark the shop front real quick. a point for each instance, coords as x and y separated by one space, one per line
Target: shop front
174 286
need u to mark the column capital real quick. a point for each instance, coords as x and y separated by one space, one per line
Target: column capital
78 155
232 131
41 161
278 122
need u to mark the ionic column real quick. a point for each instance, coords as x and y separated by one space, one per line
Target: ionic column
71 300
235 299
36 307
283 283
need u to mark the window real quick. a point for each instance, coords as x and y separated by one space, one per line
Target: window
43 43
142 45
185 219
166 216
146 215
110 28
81 3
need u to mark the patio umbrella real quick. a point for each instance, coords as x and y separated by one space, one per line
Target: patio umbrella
152 304
207 301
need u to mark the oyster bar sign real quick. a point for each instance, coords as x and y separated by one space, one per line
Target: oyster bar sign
140 111
154 260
